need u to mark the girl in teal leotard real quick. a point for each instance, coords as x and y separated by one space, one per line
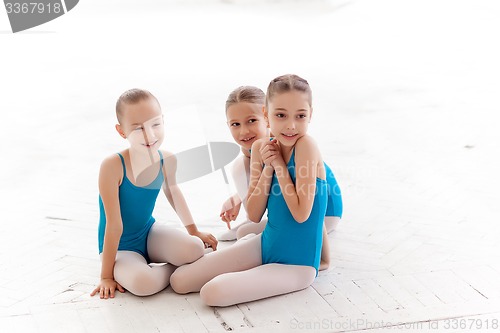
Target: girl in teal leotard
288 178
245 120
129 182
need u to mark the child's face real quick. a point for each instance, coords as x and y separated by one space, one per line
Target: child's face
142 125
246 123
289 115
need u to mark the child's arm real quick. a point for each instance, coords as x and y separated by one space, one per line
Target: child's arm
109 181
231 207
260 183
300 197
176 199
241 177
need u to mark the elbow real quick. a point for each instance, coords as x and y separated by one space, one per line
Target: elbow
114 229
173 190
301 212
301 217
254 217
251 212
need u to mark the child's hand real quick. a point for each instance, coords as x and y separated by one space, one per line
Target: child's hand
229 212
208 239
269 152
107 288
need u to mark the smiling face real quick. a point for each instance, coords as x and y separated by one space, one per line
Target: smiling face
246 123
289 114
142 125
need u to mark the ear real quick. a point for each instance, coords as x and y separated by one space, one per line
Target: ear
311 114
120 131
264 111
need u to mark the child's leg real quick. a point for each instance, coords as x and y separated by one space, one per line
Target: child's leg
251 228
325 251
166 244
256 283
231 234
243 255
134 274
331 223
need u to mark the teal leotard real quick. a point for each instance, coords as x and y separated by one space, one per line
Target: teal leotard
136 207
286 241
334 206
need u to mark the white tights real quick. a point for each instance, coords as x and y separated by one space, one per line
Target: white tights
250 227
331 223
167 246
235 275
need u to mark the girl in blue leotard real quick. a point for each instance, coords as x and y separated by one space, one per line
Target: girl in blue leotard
288 178
129 183
246 122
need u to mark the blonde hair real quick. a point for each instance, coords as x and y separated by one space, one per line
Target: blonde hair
286 83
248 94
131 96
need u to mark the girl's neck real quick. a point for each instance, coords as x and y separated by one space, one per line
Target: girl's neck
286 152
140 161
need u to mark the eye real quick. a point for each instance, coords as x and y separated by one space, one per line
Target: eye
301 116
138 128
156 125
235 124
280 115
252 120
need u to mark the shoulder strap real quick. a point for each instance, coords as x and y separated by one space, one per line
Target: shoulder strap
161 157
123 165
292 157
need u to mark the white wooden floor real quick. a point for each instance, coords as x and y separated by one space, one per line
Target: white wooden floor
405 97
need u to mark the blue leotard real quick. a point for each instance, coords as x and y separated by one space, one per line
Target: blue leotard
334 206
136 208
286 241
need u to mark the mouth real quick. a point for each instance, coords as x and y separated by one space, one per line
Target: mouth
289 136
247 140
151 144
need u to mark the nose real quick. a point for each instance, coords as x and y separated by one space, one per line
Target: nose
149 134
290 124
244 130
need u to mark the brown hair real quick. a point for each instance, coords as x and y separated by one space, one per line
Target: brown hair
248 94
286 83
131 96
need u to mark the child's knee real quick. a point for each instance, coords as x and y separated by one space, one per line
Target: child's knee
306 278
190 250
142 283
195 249
179 281
241 232
212 293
